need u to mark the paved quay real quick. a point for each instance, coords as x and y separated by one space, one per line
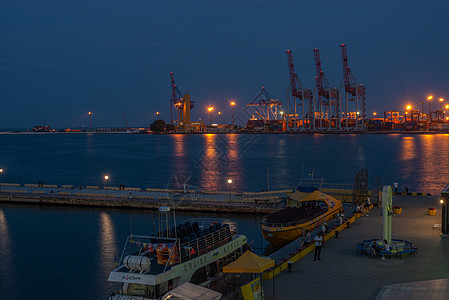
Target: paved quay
141 198
343 274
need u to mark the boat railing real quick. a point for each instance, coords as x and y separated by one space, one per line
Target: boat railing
206 243
207 222
143 245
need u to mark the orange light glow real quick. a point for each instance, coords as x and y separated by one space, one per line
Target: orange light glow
430 97
219 112
374 113
409 107
447 118
90 113
232 103
441 99
106 177
210 109
447 106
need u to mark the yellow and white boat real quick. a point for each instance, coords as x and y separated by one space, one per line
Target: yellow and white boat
288 224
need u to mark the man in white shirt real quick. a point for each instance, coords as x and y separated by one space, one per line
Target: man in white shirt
319 240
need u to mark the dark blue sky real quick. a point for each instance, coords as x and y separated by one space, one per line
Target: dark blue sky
61 59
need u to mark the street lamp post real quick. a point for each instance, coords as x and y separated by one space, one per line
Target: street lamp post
219 114
409 110
233 107
444 115
106 178
90 119
210 109
1 172
229 182
430 97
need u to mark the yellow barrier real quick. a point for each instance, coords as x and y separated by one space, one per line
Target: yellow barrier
279 268
431 211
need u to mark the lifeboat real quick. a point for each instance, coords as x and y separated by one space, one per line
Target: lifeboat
288 224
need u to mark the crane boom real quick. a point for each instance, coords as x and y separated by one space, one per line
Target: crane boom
294 80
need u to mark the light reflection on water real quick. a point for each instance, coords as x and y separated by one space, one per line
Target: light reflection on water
420 161
425 162
108 246
6 270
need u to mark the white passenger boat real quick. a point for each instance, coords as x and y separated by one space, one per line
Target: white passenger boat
195 252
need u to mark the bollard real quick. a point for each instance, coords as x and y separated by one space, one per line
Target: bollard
347 224
290 265
336 234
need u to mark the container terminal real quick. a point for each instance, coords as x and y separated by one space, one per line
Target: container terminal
323 108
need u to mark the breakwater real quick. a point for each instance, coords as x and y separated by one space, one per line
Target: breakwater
137 198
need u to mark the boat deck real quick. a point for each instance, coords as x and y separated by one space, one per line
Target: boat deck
293 215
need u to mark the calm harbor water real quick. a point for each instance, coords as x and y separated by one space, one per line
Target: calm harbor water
67 253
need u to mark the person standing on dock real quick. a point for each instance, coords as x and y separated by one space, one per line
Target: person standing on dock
396 185
319 240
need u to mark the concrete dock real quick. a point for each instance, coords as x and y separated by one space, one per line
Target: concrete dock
344 274
138 198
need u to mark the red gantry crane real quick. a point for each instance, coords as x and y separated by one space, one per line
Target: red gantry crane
305 97
354 96
327 97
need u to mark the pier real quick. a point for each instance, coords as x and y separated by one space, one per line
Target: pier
344 274
138 198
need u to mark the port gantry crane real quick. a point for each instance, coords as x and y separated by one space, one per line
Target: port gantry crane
327 98
177 102
305 97
266 105
352 92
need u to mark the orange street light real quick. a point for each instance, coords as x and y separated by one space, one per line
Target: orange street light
409 107
441 103
447 106
233 109
430 97
210 109
374 113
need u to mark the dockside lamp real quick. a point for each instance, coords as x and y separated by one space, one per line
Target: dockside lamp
444 212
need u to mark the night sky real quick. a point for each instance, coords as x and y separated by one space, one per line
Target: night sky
61 59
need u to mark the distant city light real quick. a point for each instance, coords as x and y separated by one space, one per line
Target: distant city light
409 107
232 103
229 181
441 99
1 170
106 177
441 201
430 97
210 109
374 113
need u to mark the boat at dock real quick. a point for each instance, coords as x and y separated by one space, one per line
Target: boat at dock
303 215
192 251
